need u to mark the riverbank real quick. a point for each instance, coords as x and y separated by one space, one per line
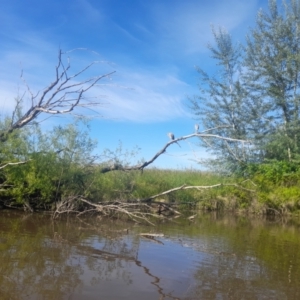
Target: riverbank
259 193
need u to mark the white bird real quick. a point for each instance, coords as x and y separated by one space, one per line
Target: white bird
196 128
172 137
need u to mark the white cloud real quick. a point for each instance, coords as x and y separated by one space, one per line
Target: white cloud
185 26
87 12
138 95
134 94
145 97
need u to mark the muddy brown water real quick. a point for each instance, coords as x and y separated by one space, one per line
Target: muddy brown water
213 257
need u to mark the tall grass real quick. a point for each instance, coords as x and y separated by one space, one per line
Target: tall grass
136 185
256 195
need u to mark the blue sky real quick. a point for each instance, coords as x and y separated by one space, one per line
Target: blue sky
152 45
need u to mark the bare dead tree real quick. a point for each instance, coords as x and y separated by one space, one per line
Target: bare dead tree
62 96
67 92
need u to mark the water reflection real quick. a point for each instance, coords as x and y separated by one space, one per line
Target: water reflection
215 257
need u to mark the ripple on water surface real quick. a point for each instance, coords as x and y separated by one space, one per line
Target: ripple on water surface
215 257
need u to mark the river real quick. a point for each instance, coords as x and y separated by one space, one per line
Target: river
215 256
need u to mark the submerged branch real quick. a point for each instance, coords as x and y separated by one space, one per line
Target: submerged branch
135 211
138 210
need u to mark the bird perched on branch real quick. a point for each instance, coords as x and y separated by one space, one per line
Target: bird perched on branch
196 128
172 137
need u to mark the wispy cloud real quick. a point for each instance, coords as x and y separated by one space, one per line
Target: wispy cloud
185 26
137 94
145 97
88 12
134 94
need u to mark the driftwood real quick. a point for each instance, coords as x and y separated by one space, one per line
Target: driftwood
192 217
186 187
152 234
152 237
139 210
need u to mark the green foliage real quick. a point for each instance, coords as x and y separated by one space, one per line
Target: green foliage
59 164
221 105
276 172
277 184
253 96
56 164
126 186
272 61
255 92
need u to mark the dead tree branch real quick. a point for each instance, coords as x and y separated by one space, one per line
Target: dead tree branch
186 187
143 165
138 212
14 164
62 96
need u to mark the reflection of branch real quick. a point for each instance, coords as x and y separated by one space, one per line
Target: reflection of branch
107 255
152 237
155 282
